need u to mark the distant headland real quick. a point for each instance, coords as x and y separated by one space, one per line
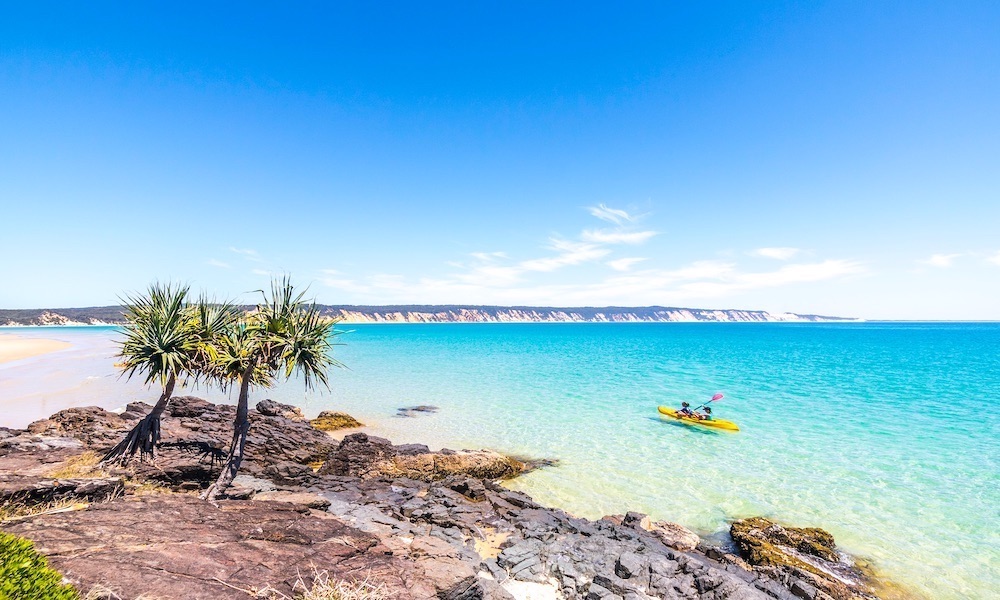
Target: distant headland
420 313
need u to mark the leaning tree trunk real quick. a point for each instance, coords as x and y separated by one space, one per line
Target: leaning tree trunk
146 434
241 425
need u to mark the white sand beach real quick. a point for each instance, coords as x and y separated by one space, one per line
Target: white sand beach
14 347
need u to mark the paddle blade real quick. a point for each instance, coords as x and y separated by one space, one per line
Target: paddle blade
716 397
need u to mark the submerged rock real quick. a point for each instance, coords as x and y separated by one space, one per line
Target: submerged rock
413 411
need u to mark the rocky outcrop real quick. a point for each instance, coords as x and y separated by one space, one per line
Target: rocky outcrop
330 420
195 436
177 546
805 558
398 516
673 535
19 489
364 456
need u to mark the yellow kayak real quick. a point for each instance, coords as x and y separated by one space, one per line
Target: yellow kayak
717 423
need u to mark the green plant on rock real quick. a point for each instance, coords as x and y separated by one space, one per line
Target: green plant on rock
25 574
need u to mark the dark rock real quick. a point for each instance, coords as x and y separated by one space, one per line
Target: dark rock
802 589
473 489
91 425
412 411
189 406
629 565
270 408
38 490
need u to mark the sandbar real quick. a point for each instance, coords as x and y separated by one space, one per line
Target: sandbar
18 348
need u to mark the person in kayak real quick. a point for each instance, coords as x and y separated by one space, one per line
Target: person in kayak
685 410
706 416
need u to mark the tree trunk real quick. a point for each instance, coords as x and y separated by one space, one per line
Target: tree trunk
146 434
241 425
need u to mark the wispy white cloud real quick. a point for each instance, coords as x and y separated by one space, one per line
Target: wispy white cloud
567 253
781 253
611 215
625 264
247 253
218 263
941 261
995 259
488 256
496 278
699 281
604 236
261 272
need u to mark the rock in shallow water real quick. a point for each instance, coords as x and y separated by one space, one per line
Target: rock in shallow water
806 558
329 420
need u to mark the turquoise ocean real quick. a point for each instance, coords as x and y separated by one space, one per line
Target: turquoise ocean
885 434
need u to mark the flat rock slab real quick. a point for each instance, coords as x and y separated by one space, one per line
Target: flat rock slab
177 546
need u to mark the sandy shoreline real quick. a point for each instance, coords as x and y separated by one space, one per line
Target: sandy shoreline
13 347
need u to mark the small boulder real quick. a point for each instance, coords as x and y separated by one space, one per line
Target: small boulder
329 420
270 408
675 536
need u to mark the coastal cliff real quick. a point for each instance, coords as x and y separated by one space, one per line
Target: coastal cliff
112 315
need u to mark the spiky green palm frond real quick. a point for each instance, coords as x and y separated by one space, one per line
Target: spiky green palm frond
294 337
158 340
308 346
211 322
236 351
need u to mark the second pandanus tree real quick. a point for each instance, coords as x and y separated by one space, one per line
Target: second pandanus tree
166 339
285 335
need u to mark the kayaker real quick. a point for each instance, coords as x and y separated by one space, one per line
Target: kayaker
707 416
685 410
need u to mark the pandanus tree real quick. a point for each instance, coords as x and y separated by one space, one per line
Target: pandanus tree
285 335
158 344
166 339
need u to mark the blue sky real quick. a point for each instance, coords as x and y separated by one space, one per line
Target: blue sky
834 158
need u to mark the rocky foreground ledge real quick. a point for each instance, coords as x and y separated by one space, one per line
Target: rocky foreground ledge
420 524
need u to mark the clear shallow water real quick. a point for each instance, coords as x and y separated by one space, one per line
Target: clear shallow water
884 434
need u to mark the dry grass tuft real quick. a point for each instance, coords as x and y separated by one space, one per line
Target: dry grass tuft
103 592
83 466
15 510
137 487
323 588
